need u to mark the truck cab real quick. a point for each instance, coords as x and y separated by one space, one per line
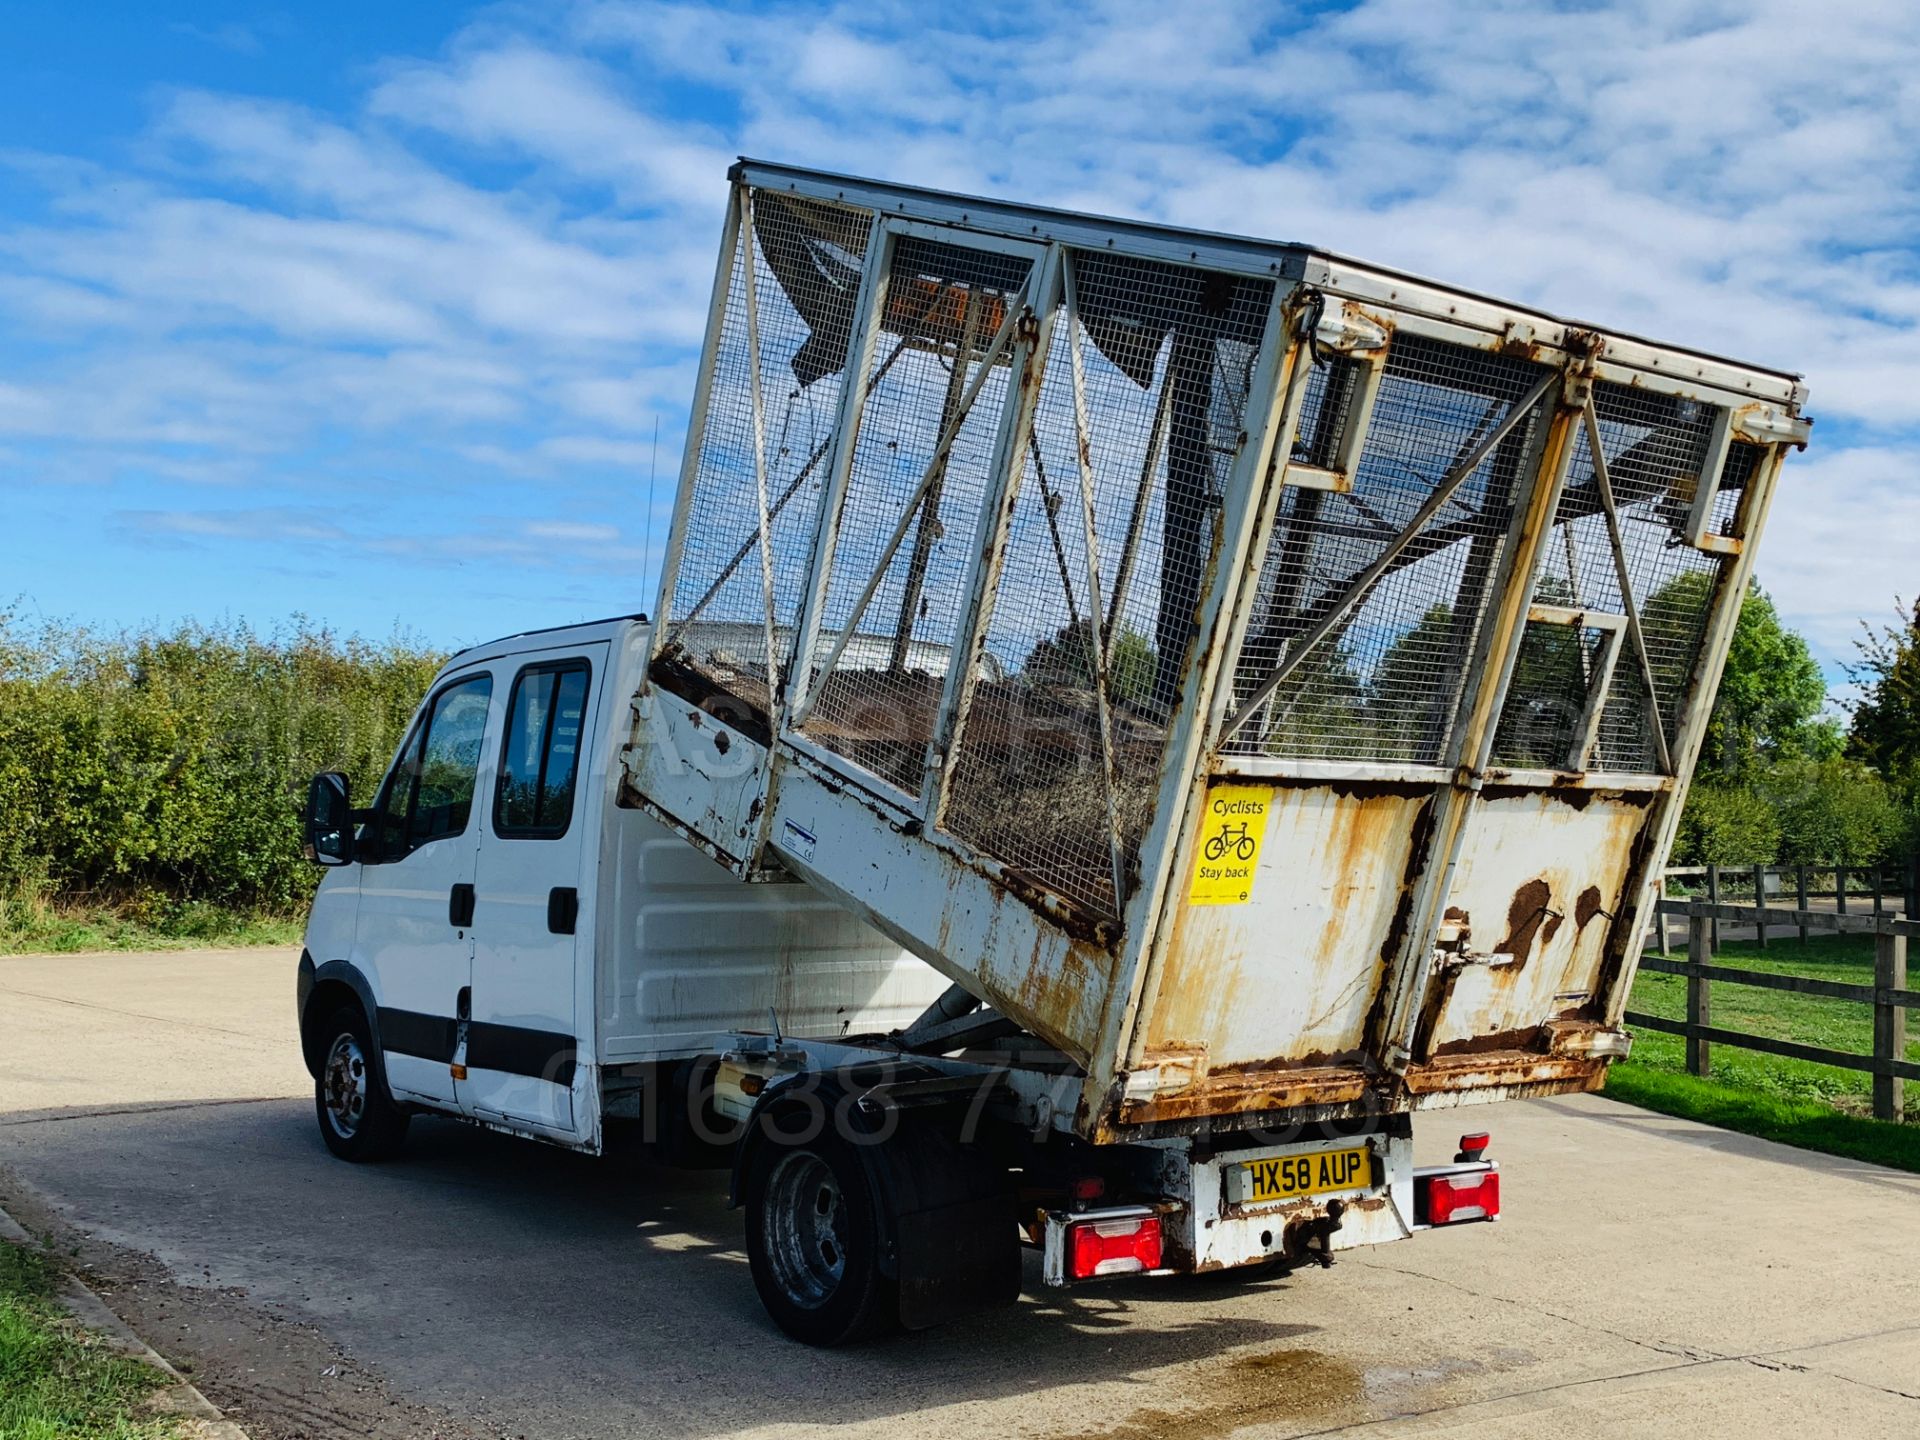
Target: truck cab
493 929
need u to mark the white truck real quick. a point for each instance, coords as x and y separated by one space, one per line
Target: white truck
1130 716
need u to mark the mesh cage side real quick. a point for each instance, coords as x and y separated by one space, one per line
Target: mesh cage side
1167 354
1552 678
1656 446
1385 683
944 305
807 259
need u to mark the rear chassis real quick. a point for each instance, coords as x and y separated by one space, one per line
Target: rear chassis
1178 1204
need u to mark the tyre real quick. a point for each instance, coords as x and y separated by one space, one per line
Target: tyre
813 1243
358 1118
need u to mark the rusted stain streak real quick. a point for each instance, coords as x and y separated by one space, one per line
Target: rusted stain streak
1530 909
1587 906
1419 852
1530 1038
1502 1069
1238 1094
1569 789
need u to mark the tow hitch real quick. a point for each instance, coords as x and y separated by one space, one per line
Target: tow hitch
1312 1238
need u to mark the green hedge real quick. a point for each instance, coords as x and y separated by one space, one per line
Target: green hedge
174 763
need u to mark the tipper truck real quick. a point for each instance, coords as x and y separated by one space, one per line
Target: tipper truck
1130 717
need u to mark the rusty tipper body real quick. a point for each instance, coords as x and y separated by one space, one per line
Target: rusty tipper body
1269 679
1262 687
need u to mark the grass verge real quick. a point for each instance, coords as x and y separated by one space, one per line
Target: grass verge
57 1380
1781 1015
1796 1102
1806 1124
33 924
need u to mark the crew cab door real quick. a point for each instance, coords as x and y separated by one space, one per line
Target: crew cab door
531 896
413 935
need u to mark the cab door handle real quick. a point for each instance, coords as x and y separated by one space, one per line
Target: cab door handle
563 909
460 906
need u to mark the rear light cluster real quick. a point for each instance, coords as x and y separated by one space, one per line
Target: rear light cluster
1469 1189
1113 1247
1462 1197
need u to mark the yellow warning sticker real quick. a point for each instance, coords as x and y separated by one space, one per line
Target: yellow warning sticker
1230 835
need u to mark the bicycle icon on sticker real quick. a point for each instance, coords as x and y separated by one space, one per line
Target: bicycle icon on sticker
1233 838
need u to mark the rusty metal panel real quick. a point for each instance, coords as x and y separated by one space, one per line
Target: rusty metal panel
1287 979
1535 892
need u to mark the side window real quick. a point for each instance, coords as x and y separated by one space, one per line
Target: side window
429 794
449 761
396 798
540 757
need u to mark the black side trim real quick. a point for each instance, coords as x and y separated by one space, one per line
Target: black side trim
540 1054
426 1037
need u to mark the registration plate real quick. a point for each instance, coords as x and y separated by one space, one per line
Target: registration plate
1288 1177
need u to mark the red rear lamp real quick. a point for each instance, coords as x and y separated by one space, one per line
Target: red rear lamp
1452 1198
1473 1146
1087 1187
1113 1247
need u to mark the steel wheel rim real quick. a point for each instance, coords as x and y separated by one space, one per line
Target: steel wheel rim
345 1078
805 1225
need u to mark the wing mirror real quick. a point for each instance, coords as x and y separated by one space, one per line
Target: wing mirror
328 822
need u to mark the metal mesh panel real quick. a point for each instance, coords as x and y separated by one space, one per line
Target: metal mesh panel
1166 353
807 259
1656 445
1384 684
879 704
1553 675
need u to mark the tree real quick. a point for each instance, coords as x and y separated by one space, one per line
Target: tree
1831 810
1066 657
1886 716
1771 691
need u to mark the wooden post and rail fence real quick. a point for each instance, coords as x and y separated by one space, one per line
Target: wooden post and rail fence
1879 890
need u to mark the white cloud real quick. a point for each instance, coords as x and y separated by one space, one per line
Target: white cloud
1840 542
502 253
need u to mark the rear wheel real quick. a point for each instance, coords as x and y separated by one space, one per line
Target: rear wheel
358 1119
813 1243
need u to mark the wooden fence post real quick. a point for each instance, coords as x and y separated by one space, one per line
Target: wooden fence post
1699 997
1889 1025
1913 886
1760 904
1660 911
1800 875
1840 888
1713 898
1879 901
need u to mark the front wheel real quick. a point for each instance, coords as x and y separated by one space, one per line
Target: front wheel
813 1243
358 1119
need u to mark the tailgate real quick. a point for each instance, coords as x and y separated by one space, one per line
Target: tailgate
1463 706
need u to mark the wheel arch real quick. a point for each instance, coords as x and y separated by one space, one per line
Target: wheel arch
324 988
937 1199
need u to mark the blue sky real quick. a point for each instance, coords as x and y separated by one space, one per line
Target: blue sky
371 311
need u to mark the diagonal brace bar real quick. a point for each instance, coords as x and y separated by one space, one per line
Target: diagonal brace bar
819 453
936 467
1298 649
1603 482
757 407
1096 627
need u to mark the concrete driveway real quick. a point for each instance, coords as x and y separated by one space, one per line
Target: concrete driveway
1652 1277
